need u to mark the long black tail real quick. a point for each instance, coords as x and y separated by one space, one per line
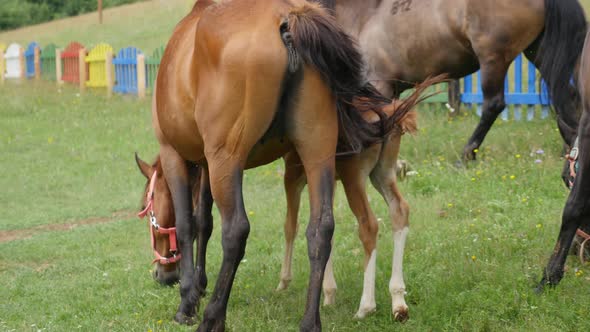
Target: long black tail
560 49
320 43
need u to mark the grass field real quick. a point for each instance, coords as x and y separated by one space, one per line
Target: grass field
74 257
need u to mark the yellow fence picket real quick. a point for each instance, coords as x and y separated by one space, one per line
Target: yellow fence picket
96 60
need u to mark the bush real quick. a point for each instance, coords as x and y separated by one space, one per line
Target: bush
17 13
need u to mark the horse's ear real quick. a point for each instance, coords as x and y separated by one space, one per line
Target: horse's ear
144 167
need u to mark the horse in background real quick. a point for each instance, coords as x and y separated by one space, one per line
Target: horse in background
235 104
405 41
576 213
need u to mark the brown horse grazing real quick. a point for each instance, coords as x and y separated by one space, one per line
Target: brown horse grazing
405 41
239 85
377 162
576 213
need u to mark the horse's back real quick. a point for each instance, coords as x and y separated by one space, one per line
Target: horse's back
411 40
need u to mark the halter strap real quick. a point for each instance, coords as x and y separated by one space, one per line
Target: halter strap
171 232
586 238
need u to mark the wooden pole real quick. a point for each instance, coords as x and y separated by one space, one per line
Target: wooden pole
2 67
99 11
109 73
37 62
58 73
141 76
82 69
23 65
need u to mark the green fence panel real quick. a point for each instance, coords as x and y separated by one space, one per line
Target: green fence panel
48 62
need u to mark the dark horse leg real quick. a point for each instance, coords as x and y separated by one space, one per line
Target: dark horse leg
576 211
226 186
493 71
177 175
204 223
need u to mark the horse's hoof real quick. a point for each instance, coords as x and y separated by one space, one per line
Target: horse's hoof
184 319
539 289
401 314
329 297
460 164
212 326
364 312
283 284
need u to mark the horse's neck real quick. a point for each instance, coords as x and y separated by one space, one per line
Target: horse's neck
353 14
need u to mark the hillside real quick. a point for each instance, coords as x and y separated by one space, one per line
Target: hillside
145 25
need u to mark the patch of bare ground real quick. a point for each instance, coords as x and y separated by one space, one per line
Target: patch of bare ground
20 234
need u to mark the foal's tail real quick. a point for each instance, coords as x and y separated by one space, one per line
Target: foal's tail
319 42
560 49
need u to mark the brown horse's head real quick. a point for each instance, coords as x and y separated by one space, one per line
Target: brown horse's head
158 209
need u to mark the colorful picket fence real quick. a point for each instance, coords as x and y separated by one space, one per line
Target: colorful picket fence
96 61
520 90
13 61
30 59
71 62
126 70
48 62
152 65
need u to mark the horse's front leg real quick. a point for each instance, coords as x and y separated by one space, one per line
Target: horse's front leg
204 223
575 212
176 173
294 181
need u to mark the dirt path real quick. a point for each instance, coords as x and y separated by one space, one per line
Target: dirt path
19 234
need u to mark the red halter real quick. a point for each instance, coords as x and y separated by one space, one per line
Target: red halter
149 209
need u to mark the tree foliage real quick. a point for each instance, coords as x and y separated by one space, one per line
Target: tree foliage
17 13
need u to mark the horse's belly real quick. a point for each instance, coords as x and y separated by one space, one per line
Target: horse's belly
267 151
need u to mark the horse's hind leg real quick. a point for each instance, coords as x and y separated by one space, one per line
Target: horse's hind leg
383 178
314 138
176 174
353 177
294 181
493 71
576 211
226 174
204 223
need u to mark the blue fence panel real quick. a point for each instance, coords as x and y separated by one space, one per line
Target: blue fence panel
524 98
126 70
30 59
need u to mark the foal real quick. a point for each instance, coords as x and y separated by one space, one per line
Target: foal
377 162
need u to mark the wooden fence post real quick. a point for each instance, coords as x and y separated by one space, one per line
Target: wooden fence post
37 62
141 76
82 68
455 96
2 67
58 72
109 72
23 63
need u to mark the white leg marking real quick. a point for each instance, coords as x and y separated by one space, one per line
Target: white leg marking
367 304
286 275
397 287
329 284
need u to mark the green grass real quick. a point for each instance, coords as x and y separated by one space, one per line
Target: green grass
68 157
479 236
